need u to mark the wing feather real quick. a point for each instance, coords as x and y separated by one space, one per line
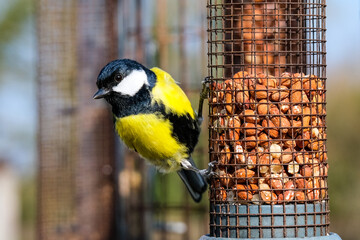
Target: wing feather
168 93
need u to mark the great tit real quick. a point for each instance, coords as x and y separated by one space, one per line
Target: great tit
154 117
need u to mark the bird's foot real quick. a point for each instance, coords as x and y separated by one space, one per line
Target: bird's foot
208 173
206 80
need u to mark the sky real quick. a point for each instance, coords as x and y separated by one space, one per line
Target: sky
18 107
343 40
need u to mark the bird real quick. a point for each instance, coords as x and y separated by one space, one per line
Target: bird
154 117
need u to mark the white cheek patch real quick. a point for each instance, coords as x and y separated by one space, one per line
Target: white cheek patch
132 83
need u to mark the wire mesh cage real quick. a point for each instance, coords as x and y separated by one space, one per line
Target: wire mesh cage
159 206
267 130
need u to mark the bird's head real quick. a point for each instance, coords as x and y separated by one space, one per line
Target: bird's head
123 78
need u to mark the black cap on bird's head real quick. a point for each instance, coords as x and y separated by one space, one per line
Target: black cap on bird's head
123 77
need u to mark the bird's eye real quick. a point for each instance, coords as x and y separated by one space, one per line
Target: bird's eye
118 77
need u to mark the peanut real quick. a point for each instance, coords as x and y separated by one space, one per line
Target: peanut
270 128
242 174
243 193
263 107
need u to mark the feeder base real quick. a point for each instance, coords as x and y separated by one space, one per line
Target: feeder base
331 236
268 221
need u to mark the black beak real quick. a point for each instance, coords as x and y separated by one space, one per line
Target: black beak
101 93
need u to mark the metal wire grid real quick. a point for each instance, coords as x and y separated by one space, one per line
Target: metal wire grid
55 169
161 38
267 126
76 192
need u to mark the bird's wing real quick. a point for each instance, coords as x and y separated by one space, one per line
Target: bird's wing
168 93
177 109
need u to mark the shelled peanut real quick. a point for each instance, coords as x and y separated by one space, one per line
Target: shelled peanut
268 138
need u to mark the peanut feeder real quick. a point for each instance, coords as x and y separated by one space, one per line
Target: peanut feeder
267 109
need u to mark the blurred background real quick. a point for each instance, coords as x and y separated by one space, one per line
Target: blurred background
50 55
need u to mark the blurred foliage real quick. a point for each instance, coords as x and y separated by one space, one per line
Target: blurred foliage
12 22
13 19
28 207
14 16
344 150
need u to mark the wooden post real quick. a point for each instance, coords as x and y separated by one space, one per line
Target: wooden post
96 46
76 141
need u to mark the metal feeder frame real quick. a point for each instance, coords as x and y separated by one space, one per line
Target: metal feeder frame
271 163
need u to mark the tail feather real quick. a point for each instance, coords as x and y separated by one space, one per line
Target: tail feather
194 182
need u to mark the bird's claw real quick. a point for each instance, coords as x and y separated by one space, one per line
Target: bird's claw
208 173
206 80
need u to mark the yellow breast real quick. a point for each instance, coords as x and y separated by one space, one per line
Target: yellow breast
150 135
